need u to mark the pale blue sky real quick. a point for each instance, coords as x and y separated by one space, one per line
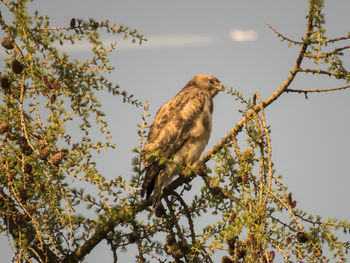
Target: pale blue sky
309 137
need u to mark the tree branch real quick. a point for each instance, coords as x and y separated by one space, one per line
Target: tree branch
317 90
323 55
282 36
338 39
322 72
40 250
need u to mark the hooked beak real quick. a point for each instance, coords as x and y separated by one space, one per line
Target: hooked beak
217 87
220 87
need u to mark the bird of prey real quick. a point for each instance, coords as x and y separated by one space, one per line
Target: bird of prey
179 133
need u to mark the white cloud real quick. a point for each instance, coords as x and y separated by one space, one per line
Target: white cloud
171 41
243 35
154 42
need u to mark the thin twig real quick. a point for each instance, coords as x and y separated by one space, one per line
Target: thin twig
7 4
321 72
323 55
282 36
188 215
337 39
317 90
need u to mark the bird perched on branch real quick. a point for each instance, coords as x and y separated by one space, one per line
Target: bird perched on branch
179 133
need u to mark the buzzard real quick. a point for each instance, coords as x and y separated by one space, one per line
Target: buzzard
179 133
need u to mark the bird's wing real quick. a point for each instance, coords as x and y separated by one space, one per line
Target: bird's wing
170 130
172 123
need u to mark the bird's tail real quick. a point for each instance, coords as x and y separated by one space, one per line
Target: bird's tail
150 180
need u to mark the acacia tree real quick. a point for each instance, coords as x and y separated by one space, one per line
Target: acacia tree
45 93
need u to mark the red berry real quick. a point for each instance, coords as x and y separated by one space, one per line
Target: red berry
245 178
72 22
53 98
233 216
271 255
252 238
290 199
288 240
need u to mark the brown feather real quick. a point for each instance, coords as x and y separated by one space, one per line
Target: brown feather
180 131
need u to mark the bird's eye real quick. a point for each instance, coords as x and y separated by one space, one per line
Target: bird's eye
212 81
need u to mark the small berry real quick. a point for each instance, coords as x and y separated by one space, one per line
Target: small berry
53 98
302 237
57 158
159 211
95 25
288 240
4 127
23 145
7 43
51 85
17 67
5 82
252 238
233 216
294 204
290 199
245 177
271 255
72 22
44 153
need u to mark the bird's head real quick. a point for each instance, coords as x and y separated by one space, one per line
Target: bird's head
207 82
